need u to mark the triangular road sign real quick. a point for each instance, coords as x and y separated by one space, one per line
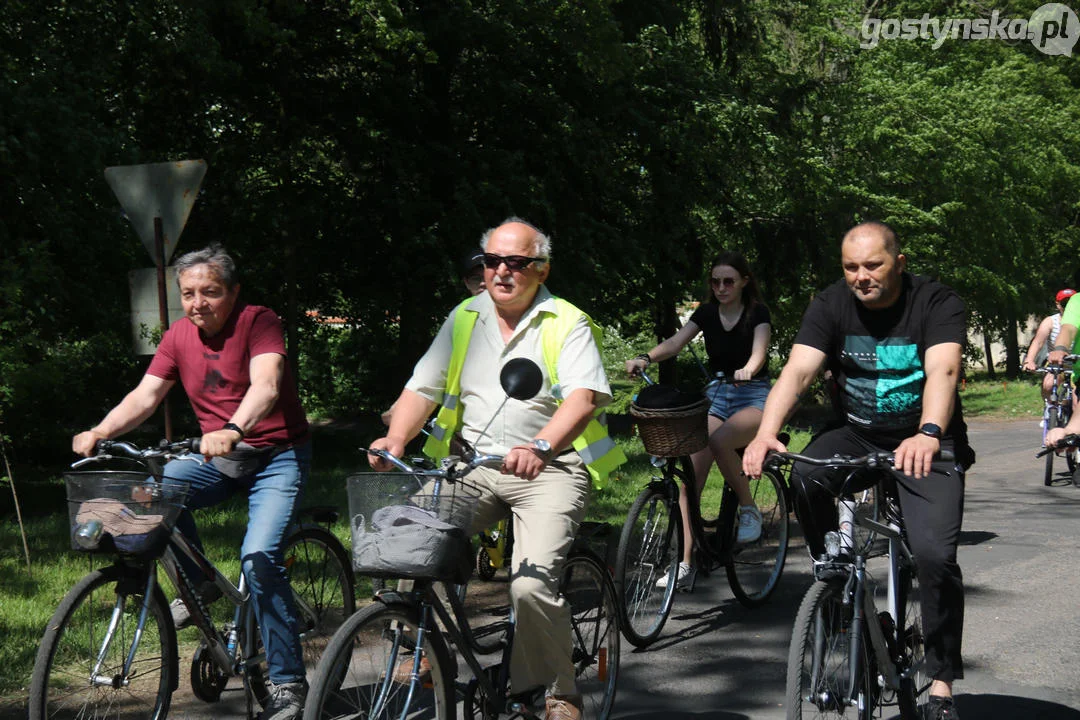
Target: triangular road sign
166 190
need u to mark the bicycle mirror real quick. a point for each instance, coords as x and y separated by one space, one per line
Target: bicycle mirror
521 378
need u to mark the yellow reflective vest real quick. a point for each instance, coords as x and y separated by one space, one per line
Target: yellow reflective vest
594 445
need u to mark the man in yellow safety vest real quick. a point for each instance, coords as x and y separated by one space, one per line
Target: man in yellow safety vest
553 444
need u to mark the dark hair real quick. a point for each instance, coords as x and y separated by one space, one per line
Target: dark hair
213 255
751 293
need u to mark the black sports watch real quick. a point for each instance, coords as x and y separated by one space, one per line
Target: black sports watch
542 448
234 427
932 430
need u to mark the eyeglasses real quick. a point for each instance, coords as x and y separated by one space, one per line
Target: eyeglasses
514 262
726 282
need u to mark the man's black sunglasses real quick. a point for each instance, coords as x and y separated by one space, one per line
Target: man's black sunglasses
514 262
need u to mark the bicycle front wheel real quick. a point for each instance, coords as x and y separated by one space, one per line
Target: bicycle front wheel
754 568
324 591
647 563
367 670
819 667
68 682
1052 417
594 624
910 639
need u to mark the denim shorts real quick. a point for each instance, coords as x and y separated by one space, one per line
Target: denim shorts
728 399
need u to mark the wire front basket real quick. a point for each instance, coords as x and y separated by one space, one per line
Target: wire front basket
673 432
122 512
410 526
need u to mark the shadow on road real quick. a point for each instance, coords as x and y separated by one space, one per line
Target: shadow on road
1006 707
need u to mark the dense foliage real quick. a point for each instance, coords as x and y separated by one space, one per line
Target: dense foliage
357 147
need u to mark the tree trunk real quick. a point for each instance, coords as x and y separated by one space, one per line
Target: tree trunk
666 325
1012 347
989 356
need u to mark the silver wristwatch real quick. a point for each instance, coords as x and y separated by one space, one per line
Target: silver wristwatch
542 448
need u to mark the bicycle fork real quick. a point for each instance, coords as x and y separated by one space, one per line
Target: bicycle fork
122 680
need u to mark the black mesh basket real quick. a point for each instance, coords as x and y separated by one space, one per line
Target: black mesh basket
122 512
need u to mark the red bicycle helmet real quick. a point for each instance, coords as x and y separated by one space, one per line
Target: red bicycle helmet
1064 295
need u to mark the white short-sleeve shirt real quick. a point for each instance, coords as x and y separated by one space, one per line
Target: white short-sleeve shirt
519 421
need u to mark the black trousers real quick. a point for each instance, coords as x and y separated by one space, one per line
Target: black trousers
933 510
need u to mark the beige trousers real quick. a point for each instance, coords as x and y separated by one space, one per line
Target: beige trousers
546 514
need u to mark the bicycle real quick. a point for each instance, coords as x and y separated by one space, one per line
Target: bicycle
845 653
1057 410
651 543
372 669
110 648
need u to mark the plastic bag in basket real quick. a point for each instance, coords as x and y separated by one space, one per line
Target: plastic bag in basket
408 541
131 532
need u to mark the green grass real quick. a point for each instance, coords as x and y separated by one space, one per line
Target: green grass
27 600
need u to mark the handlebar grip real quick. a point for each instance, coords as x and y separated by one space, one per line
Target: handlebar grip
947 455
195 445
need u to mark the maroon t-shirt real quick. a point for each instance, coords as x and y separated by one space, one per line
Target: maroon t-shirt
215 373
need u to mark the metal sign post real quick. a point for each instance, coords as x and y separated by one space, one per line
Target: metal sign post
157 198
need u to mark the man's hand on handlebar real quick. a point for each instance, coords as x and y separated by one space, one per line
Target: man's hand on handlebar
85 443
218 442
522 461
916 454
1054 436
391 445
634 366
755 453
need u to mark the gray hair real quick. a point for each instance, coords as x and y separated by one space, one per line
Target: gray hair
213 255
541 243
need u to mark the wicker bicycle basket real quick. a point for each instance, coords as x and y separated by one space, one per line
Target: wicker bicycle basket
122 512
411 526
671 432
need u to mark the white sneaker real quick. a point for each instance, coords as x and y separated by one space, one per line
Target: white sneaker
749 524
684 577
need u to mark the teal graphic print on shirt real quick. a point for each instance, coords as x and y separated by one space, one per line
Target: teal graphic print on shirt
885 380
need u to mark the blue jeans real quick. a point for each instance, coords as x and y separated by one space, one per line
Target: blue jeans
273 496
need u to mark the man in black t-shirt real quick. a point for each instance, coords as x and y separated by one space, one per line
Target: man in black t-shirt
892 342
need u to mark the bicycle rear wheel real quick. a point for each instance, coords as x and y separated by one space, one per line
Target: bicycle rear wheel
366 670
819 660
754 569
650 549
64 684
914 680
594 624
324 590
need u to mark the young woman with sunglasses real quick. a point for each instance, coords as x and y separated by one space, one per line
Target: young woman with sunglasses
736 325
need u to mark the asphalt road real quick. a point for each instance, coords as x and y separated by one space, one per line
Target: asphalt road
719 661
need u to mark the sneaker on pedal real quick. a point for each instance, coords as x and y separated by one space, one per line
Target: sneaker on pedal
749 524
181 616
286 701
941 708
684 578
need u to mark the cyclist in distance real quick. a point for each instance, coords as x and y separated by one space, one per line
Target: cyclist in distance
1067 340
736 325
892 341
552 444
1045 338
230 358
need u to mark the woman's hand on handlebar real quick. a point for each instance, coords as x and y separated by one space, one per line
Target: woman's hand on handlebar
742 375
391 445
635 365
755 453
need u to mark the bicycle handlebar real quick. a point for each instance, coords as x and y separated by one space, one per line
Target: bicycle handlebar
1070 440
448 471
109 449
879 459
